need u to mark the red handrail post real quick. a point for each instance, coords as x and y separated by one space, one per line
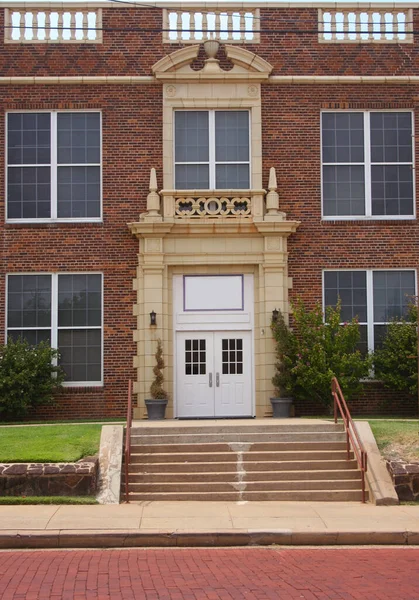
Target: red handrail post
352 435
335 408
128 440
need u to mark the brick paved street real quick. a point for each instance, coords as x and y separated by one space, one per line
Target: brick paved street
212 574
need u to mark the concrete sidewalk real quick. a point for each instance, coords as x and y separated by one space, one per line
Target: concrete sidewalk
155 524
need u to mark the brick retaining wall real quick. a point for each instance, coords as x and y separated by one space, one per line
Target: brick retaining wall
405 477
49 479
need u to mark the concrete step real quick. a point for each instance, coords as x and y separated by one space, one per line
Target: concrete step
248 486
266 427
262 457
248 465
294 496
247 437
221 476
226 447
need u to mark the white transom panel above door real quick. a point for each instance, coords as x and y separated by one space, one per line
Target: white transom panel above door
214 374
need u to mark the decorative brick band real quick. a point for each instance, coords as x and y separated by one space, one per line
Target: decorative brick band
405 477
49 479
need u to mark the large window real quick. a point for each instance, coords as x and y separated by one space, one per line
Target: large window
374 297
53 165
212 149
66 311
367 162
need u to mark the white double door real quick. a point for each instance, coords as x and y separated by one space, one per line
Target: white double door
214 374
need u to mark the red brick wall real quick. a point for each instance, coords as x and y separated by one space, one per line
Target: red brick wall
132 114
132 144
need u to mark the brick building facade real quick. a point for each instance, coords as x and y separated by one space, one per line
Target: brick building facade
278 163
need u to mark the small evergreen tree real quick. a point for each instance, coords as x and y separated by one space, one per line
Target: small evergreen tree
28 377
396 362
156 389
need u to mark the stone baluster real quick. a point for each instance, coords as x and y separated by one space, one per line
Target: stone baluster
60 25
178 25
47 25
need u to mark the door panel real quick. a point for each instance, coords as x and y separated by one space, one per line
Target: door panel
214 374
195 365
232 361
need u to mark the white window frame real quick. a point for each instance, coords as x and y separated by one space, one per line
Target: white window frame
370 323
54 169
212 163
54 318
367 169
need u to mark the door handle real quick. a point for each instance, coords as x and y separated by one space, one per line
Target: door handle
210 379
217 379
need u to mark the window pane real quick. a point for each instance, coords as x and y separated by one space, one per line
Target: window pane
343 190
351 288
32 336
191 136
28 193
343 137
391 137
393 292
392 189
78 138
234 177
190 177
78 192
81 354
231 136
29 301
29 138
79 300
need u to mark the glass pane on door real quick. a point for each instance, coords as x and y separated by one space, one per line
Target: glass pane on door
195 357
232 356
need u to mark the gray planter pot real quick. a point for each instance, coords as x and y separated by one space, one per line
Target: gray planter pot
281 407
156 409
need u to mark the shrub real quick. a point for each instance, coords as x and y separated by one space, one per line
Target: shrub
28 377
396 362
315 351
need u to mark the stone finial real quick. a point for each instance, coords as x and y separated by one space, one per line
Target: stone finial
272 197
153 198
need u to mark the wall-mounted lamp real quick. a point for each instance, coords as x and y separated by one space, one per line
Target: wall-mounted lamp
275 315
153 318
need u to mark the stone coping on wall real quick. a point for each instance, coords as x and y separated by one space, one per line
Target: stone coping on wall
405 476
49 479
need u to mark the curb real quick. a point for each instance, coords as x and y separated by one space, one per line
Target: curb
13 539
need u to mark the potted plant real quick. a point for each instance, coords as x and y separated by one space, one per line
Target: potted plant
156 405
282 380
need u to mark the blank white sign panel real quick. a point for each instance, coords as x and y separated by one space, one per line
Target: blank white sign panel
213 292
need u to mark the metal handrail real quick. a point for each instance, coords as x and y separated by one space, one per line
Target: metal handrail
128 440
352 436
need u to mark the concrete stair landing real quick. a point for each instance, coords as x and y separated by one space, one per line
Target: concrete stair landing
294 460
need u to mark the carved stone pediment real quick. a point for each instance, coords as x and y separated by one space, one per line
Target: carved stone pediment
246 66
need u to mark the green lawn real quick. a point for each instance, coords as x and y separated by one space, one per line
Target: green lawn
48 443
397 438
4 500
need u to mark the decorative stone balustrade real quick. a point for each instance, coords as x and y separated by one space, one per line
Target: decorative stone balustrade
178 205
192 26
42 26
187 204
366 26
